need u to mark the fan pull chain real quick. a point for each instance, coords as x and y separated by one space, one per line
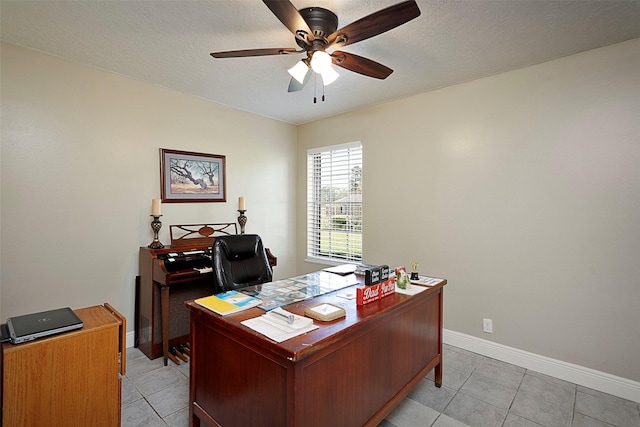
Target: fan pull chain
315 87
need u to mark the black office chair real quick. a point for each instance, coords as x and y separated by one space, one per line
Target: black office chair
239 261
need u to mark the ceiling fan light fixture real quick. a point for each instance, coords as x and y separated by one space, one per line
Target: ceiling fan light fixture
320 62
329 76
299 71
316 30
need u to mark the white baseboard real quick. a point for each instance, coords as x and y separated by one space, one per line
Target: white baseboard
131 339
601 381
587 377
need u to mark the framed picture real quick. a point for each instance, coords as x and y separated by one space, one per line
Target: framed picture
192 177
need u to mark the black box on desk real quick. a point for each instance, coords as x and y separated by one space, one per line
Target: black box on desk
372 276
384 273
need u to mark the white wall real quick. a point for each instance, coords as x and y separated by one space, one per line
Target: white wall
80 165
523 190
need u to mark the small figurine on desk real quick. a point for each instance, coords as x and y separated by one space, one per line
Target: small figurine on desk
402 278
414 271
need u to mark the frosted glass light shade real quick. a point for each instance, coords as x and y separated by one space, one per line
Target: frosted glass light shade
320 62
329 76
298 71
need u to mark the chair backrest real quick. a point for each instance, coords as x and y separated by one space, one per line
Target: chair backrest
238 261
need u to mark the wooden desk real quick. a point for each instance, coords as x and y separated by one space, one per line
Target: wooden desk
349 372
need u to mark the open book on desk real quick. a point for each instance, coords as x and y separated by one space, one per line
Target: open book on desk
228 302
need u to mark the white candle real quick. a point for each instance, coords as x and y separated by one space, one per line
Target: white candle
156 207
241 203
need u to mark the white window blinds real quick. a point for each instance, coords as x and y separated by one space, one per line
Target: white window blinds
334 203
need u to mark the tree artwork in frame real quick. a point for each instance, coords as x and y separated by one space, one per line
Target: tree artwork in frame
192 177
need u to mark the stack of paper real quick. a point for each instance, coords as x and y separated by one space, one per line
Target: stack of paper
280 325
342 270
426 281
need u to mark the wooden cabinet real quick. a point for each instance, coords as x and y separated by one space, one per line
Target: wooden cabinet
69 379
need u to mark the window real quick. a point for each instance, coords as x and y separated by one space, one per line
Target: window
334 203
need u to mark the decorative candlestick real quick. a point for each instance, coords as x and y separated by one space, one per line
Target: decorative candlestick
242 220
156 225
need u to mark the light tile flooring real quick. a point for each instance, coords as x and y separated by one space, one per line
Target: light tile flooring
476 391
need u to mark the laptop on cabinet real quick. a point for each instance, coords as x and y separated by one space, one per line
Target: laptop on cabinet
28 327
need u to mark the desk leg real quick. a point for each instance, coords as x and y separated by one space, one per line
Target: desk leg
164 308
438 369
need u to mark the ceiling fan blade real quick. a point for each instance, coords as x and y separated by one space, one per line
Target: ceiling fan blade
287 13
253 52
295 86
361 65
374 24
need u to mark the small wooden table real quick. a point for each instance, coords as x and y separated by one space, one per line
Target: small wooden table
68 379
350 372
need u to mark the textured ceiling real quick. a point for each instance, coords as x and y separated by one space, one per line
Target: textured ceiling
167 43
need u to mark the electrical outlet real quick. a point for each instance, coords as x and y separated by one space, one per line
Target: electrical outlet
487 326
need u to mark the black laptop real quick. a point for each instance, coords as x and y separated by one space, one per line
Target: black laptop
31 326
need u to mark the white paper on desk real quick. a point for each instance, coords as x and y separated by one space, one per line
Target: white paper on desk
347 295
278 321
411 290
279 330
426 281
342 270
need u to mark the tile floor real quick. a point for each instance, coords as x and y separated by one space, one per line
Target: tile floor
476 391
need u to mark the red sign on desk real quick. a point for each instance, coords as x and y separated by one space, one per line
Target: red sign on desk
388 287
367 294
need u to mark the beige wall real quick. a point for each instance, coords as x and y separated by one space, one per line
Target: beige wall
523 190
80 165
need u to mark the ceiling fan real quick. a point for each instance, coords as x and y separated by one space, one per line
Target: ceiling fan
315 31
